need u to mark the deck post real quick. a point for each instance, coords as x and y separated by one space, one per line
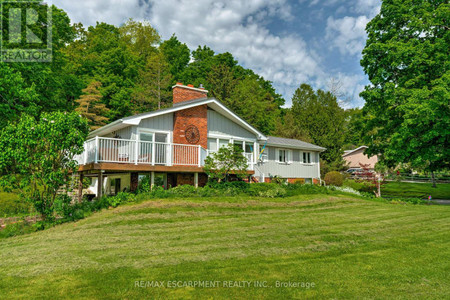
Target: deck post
100 184
196 180
153 153
80 187
85 153
199 156
136 151
96 149
152 180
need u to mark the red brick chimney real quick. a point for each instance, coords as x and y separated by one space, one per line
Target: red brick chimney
188 92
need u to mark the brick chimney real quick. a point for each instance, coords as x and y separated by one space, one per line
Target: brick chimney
188 92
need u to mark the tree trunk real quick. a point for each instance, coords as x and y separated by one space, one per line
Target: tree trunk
433 179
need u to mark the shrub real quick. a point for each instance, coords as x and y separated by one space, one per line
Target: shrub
121 198
334 178
279 180
183 191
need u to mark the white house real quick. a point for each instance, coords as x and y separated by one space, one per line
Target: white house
171 145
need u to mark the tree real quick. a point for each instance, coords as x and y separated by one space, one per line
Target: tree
221 82
153 87
319 116
354 128
91 107
407 103
228 160
176 54
15 96
140 37
37 156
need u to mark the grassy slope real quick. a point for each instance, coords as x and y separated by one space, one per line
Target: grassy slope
347 247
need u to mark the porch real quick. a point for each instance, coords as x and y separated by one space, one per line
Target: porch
101 153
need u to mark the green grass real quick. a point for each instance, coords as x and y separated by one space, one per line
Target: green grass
347 247
407 189
419 190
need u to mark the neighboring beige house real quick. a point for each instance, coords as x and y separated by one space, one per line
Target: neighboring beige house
357 156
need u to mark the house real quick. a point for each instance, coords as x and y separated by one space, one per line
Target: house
170 145
356 157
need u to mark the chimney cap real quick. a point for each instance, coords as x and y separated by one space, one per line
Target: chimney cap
201 86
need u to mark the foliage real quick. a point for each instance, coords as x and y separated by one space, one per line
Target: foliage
90 106
152 89
317 117
334 178
226 161
140 38
278 180
15 96
176 54
183 191
407 61
12 205
36 156
375 179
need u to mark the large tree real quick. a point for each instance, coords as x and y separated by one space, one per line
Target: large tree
37 156
407 103
316 116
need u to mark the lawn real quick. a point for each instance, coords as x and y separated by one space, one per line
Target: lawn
408 189
346 247
419 190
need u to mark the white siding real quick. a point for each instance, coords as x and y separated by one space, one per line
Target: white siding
295 169
220 125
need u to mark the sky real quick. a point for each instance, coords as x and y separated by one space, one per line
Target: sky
288 42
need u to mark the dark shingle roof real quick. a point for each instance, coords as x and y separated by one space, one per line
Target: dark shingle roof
278 141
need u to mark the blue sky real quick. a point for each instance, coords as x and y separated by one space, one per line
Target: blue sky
287 41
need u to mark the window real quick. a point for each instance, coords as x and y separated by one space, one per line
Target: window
223 143
306 157
248 147
212 144
284 156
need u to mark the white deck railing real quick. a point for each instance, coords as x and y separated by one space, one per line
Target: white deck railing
101 149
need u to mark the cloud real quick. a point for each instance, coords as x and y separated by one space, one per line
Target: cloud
236 26
347 34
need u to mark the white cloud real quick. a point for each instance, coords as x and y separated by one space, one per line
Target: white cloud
347 34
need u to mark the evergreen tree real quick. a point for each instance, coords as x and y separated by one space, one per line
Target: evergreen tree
91 107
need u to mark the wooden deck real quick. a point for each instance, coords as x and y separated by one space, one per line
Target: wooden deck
130 167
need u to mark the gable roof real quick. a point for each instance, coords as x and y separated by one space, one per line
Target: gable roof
211 102
277 141
348 152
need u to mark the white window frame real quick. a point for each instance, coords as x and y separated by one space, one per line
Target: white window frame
154 131
288 156
308 155
231 140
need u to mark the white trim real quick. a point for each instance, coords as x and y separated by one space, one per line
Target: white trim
288 156
137 119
